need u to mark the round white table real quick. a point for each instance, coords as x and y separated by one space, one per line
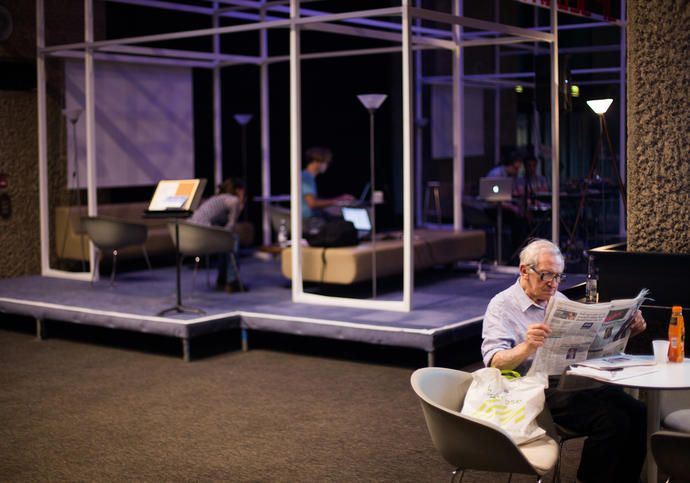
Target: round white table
667 376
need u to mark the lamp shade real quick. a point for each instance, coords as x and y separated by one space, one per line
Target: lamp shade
600 106
372 101
243 119
72 115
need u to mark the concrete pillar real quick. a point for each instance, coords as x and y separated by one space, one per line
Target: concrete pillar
658 150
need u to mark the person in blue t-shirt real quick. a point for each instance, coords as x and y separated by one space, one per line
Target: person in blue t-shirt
509 167
316 161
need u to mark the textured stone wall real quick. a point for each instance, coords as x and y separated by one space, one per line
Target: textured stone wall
19 233
659 126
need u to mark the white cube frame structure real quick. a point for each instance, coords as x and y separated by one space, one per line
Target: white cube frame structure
262 15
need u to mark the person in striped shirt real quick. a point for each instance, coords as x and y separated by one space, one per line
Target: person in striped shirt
222 210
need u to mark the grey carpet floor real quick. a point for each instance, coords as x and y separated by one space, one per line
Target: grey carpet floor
95 405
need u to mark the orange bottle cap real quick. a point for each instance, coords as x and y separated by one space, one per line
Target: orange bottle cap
677 308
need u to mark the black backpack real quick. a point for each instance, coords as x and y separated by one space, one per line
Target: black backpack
334 233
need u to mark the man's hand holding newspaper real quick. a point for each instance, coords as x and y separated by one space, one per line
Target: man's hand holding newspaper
584 331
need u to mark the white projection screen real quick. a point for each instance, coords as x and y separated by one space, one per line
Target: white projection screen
442 121
144 124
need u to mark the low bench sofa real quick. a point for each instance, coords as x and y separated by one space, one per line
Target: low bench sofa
346 265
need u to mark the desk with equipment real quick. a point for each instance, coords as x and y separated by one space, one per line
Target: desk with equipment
497 190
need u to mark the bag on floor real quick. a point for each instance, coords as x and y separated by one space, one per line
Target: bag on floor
334 233
511 403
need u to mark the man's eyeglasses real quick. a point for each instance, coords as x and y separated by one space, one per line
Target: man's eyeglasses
548 276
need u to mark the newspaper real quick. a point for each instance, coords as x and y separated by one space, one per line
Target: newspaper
584 331
617 362
606 375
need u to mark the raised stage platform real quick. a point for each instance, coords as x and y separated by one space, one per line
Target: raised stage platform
449 305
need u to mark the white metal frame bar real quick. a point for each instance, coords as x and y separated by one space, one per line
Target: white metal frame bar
622 131
217 105
408 150
525 34
419 130
295 153
555 131
378 34
458 120
265 132
133 59
215 56
44 212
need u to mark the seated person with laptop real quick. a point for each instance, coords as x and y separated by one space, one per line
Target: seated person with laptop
497 187
530 185
317 160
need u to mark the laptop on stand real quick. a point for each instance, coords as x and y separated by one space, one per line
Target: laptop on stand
496 189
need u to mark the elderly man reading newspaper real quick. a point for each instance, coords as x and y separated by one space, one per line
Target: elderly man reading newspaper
514 329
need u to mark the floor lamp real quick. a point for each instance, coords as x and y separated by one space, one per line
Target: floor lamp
599 106
72 115
372 102
243 120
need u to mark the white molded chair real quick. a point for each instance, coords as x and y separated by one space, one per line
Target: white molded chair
469 443
113 234
671 451
674 408
197 240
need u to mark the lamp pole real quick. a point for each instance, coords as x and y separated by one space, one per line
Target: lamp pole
372 102
599 106
243 120
72 115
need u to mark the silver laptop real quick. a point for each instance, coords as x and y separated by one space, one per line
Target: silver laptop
495 189
360 218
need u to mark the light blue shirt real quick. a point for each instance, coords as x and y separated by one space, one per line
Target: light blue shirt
507 318
498 172
308 188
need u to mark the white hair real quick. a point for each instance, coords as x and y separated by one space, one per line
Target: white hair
530 254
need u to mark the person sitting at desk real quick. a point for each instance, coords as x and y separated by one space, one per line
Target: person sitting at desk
513 329
526 189
531 182
223 210
510 167
513 216
317 160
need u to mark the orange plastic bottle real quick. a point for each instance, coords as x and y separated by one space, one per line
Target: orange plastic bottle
676 335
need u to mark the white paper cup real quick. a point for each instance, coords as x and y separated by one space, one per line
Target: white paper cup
377 198
660 351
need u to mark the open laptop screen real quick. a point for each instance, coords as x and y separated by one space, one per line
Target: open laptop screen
495 189
358 216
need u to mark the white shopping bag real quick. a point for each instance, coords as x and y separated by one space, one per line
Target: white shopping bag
512 404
